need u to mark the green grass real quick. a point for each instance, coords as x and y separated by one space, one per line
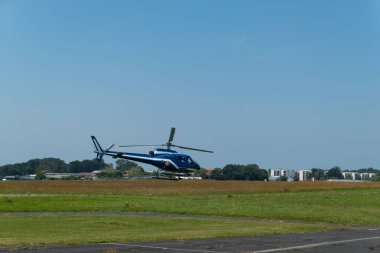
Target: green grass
321 203
100 228
354 206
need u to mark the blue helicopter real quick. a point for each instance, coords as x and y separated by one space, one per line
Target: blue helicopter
172 164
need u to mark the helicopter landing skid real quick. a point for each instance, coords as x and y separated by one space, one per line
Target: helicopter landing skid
170 176
167 177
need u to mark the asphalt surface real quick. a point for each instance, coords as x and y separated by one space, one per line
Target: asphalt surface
358 240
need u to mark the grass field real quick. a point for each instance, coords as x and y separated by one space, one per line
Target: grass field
99 228
321 202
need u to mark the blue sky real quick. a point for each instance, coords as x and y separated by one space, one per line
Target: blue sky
291 84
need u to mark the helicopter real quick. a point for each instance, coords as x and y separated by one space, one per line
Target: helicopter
171 164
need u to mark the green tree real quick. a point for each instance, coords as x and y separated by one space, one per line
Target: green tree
9 170
86 166
124 165
34 165
136 171
253 172
40 175
349 177
217 174
318 174
334 173
201 173
51 165
244 172
110 173
234 172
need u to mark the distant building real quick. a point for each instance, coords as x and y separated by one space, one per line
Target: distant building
10 178
353 175
304 175
275 174
28 177
82 175
365 176
209 171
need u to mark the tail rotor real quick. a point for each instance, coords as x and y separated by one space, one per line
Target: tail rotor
98 149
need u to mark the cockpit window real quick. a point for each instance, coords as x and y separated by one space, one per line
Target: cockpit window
185 159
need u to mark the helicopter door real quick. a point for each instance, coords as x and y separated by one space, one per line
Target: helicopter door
185 161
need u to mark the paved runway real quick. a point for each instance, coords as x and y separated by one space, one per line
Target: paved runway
352 241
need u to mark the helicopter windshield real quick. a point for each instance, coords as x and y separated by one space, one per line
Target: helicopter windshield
185 159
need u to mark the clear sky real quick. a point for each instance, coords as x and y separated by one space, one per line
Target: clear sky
286 83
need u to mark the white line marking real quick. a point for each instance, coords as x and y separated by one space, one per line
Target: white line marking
164 248
316 245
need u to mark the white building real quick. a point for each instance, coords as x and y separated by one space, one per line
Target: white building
352 175
349 175
278 173
304 175
366 175
275 174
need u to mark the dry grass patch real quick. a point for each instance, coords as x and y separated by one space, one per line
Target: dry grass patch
162 187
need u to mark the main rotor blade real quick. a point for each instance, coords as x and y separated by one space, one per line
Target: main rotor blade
123 146
172 132
196 149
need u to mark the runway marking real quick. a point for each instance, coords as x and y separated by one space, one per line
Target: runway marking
259 251
316 245
164 248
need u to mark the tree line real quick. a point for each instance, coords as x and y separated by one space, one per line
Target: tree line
50 165
56 165
236 172
229 172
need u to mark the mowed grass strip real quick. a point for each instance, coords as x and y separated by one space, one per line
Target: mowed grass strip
99 228
353 206
167 187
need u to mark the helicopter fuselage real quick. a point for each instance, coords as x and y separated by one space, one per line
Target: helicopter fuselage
165 159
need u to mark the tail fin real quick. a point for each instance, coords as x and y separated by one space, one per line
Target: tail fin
99 151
